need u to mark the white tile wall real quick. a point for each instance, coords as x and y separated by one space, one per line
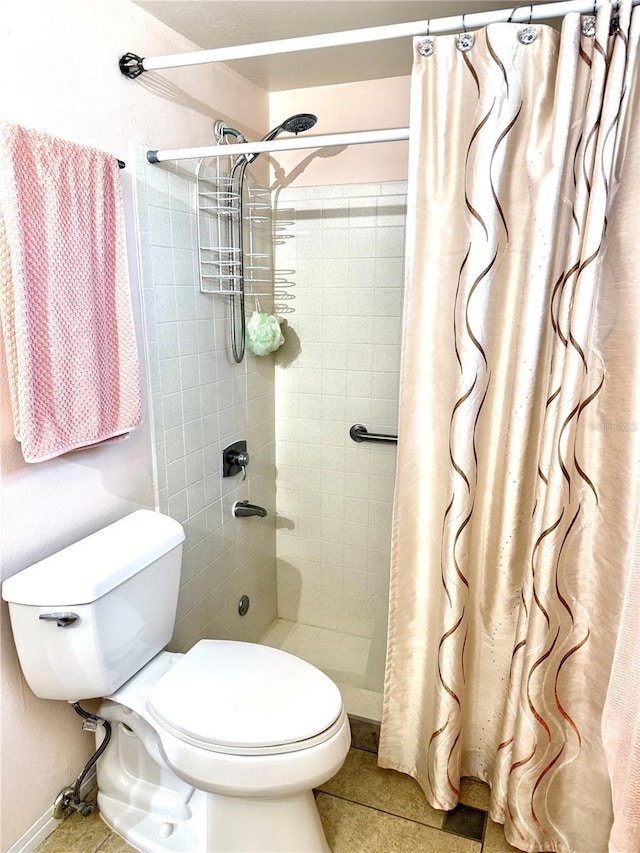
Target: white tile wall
342 656
202 401
334 496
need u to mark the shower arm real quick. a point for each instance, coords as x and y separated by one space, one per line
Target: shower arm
220 130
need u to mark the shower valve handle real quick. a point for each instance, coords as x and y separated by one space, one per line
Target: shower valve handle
241 459
235 458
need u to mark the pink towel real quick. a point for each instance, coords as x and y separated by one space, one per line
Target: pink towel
621 718
65 302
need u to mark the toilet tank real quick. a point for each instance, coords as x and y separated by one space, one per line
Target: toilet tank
90 616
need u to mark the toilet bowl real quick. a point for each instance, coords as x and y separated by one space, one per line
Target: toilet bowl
214 750
249 729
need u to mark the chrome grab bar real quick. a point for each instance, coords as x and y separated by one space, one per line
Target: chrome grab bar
359 433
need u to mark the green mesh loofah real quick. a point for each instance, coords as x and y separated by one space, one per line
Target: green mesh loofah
263 333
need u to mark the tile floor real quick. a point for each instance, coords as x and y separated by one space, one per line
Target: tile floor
364 810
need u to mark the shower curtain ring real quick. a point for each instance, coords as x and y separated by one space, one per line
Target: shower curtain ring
426 45
614 24
465 40
588 22
529 33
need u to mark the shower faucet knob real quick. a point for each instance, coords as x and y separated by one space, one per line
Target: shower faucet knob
242 460
235 458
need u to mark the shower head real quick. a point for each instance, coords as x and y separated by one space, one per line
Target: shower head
294 124
299 123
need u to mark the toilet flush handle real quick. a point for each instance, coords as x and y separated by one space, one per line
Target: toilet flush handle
62 620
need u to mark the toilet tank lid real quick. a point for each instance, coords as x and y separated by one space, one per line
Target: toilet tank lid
91 567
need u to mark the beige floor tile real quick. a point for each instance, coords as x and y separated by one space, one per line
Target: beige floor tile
474 793
362 781
494 840
352 828
77 834
115 844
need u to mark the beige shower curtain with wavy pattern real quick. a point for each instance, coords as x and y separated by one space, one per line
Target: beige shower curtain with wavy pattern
518 477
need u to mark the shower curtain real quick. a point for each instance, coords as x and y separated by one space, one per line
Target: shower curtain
518 479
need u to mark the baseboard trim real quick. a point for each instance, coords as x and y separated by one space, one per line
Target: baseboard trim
46 824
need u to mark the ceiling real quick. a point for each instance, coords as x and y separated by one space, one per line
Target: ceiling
220 23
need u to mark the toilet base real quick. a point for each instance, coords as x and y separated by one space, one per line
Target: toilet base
152 832
257 825
144 801
234 825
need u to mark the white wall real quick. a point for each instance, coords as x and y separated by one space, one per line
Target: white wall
58 71
368 105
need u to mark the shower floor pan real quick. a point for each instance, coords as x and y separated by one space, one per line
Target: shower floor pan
341 656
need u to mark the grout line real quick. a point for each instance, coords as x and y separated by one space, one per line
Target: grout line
485 829
469 837
479 841
391 814
111 835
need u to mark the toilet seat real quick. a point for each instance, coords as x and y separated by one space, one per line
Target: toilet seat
244 698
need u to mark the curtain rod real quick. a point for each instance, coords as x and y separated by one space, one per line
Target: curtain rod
295 142
132 65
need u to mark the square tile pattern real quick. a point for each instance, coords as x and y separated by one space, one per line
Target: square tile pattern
344 258
364 809
201 401
343 657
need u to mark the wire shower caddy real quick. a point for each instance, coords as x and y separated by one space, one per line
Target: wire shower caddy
235 239
221 213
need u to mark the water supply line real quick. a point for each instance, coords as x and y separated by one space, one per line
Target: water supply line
69 799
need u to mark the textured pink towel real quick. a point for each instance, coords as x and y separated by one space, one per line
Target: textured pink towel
65 302
621 718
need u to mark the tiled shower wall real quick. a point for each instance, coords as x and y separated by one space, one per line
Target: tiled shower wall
202 401
339 367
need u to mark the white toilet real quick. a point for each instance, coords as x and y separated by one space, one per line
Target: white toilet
214 750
